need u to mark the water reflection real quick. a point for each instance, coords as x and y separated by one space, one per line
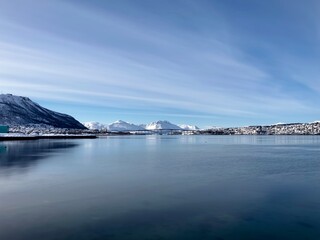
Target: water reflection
3 148
163 187
25 154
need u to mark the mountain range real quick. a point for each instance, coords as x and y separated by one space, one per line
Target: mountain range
125 126
22 111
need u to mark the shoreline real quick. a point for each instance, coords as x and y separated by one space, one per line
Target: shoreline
21 138
31 138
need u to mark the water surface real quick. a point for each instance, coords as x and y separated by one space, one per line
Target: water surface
161 187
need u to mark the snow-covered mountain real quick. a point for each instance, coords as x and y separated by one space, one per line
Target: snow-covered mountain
162 125
143 125
115 126
16 110
123 126
95 125
189 127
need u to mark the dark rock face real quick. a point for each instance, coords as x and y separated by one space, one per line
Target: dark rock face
16 110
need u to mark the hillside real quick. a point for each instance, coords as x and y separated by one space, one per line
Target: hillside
17 110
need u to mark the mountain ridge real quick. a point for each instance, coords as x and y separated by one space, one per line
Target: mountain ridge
19 110
121 125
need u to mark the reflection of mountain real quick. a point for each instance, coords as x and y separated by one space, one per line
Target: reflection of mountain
2 148
25 154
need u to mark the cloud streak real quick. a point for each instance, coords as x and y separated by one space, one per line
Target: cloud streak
186 60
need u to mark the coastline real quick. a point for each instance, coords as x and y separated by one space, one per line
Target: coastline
21 137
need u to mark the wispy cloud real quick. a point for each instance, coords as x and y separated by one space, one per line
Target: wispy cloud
184 61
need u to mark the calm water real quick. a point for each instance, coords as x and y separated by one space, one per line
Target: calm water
161 187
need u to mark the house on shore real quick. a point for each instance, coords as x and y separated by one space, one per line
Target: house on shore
4 129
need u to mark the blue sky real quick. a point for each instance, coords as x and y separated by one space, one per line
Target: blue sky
204 62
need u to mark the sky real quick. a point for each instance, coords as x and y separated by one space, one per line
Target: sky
202 62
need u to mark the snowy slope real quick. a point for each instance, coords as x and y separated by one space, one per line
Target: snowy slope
189 127
95 125
123 126
143 125
16 110
162 125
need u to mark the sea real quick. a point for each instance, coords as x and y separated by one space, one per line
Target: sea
160 187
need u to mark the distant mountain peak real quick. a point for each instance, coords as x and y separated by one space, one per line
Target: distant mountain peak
162 121
120 121
124 126
162 124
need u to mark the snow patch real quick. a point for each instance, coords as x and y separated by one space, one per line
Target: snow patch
188 127
95 126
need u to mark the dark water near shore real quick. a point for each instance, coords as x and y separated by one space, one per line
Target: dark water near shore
161 187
